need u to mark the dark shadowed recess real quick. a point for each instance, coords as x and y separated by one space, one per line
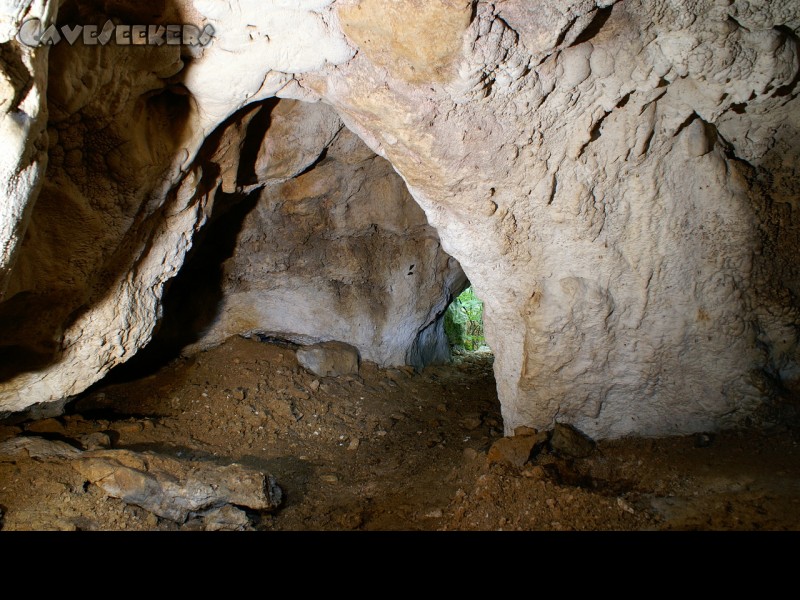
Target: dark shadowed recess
33 321
192 299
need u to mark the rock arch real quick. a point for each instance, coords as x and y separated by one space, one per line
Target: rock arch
616 179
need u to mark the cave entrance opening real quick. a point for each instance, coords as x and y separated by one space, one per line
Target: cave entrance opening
463 324
316 239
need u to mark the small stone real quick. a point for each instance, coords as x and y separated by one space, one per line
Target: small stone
329 359
128 427
515 450
470 454
434 514
227 518
471 422
703 440
36 447
314 385
523 430
568 441
329 478
625 506
46 426
354 444
95 441
536 472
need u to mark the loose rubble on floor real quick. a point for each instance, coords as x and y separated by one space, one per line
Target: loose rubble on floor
243 438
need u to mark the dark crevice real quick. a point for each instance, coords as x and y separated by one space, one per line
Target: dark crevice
601 15
253 139
689 120
191 301
563 35
789 88
649 142
595 133
276 341
739 25
553 190
323 155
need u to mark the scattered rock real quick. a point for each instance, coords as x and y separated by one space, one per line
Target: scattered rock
536 472
314 385
95 441
519 449
523 430
625 506
123 427
329 359
569 442
471 422
329 478
703 440
354 444
434 514
46 426
470 454
513 451
226 518
172 488
36 447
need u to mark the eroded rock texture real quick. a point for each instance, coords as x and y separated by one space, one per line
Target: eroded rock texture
339 251
617 179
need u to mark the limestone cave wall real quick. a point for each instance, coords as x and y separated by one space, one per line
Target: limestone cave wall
618 180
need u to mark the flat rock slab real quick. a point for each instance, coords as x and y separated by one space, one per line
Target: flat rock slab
329 359
174 489
38 448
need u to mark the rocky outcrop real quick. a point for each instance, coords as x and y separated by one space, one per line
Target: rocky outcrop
623 256
23 121
615 178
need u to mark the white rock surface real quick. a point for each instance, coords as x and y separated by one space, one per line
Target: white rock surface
23 120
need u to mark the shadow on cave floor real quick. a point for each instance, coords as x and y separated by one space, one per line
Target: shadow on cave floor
392 449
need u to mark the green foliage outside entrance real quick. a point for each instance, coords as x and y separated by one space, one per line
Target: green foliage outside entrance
463 322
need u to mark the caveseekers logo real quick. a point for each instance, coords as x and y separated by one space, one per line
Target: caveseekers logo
35 34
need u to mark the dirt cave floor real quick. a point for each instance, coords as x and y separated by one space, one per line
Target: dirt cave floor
388 449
